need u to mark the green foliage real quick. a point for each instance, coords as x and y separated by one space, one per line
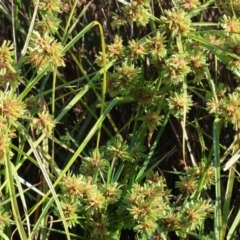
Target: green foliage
90 141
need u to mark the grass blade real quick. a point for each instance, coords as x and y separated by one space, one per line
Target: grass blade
218 204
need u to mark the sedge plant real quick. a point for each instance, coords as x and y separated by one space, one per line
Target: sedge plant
88 141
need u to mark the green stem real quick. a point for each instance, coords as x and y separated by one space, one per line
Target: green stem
218 228
68 21
53 113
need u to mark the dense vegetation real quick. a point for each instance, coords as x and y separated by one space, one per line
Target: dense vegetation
119 119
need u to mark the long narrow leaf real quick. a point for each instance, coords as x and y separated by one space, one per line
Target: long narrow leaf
218 202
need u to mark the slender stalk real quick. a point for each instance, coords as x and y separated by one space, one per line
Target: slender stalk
218 227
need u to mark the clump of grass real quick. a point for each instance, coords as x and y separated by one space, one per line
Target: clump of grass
99 172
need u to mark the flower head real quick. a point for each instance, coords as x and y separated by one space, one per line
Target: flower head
3 148
137 152
6 57
135 12
73 186
115 50
70 211
176 21
213 106
151 120
50 6
11 107
176 104
146 227
99 58
11 77
231 24
176 68
93 162
194 213
230 6
189 5
116 148
123 80
118 21
187 184
44 123
135 50
156 46
5 219
44 52
111 192
146 94
100 229
49 23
